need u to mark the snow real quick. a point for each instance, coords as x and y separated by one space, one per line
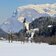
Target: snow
49 25
26 49
39 8
21 19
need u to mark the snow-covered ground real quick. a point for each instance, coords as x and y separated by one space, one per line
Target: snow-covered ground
26 49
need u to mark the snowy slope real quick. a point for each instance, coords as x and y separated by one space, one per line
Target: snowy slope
30 12
35 11
27 49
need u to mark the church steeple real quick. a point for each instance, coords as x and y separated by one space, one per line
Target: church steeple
25 24
24 20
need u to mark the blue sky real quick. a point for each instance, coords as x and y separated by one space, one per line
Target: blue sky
8 6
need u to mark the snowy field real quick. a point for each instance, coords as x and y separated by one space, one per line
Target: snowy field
27 49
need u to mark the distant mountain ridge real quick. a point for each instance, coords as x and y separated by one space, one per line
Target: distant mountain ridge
30 12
